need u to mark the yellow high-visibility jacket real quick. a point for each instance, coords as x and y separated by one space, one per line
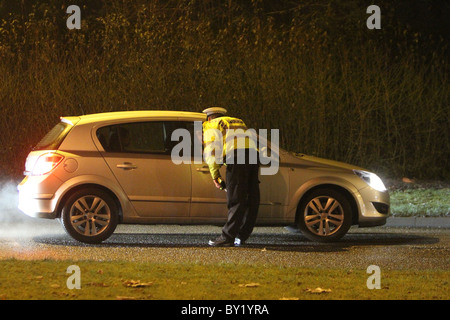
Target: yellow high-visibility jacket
221 137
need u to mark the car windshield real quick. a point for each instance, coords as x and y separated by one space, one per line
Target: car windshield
53 139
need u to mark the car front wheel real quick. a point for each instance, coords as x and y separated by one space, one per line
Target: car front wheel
90 215
324 215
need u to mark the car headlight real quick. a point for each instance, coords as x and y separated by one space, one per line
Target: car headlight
371 179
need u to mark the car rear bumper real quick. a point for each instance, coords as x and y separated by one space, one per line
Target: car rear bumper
35 204
36 207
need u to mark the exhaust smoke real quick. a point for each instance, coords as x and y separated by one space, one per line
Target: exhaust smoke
9 199
13 223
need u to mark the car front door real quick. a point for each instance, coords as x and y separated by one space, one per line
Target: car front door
208 204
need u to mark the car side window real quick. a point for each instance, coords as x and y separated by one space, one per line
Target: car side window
143 137
134 137
171 126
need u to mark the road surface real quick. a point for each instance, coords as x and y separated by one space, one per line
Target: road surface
389 248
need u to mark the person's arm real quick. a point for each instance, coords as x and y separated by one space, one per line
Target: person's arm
213 152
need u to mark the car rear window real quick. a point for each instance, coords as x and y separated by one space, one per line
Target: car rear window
53 139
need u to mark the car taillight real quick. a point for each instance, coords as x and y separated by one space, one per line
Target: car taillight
46 163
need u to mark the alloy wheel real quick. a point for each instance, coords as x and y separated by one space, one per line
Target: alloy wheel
90 215
323 216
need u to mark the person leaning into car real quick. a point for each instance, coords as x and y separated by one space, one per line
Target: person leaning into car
242 183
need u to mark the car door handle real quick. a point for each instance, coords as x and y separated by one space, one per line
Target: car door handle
126 166
203 169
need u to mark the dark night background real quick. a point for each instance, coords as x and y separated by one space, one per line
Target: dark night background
334 88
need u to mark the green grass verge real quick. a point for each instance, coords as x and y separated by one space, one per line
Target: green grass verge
420 202
47 279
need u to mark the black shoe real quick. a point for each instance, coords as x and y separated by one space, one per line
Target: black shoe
221 242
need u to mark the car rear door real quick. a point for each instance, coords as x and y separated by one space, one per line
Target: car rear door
138 153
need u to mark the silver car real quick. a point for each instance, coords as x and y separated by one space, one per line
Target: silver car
95 171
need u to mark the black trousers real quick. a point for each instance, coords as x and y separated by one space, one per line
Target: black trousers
242 200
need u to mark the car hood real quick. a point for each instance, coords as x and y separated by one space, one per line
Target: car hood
307 160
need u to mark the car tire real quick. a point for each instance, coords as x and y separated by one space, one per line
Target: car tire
90 215
324 215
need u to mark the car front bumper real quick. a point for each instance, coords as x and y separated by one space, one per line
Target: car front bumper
374 207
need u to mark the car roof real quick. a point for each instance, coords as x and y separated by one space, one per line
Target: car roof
124 115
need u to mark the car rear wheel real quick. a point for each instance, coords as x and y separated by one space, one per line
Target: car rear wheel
325 215
90 215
